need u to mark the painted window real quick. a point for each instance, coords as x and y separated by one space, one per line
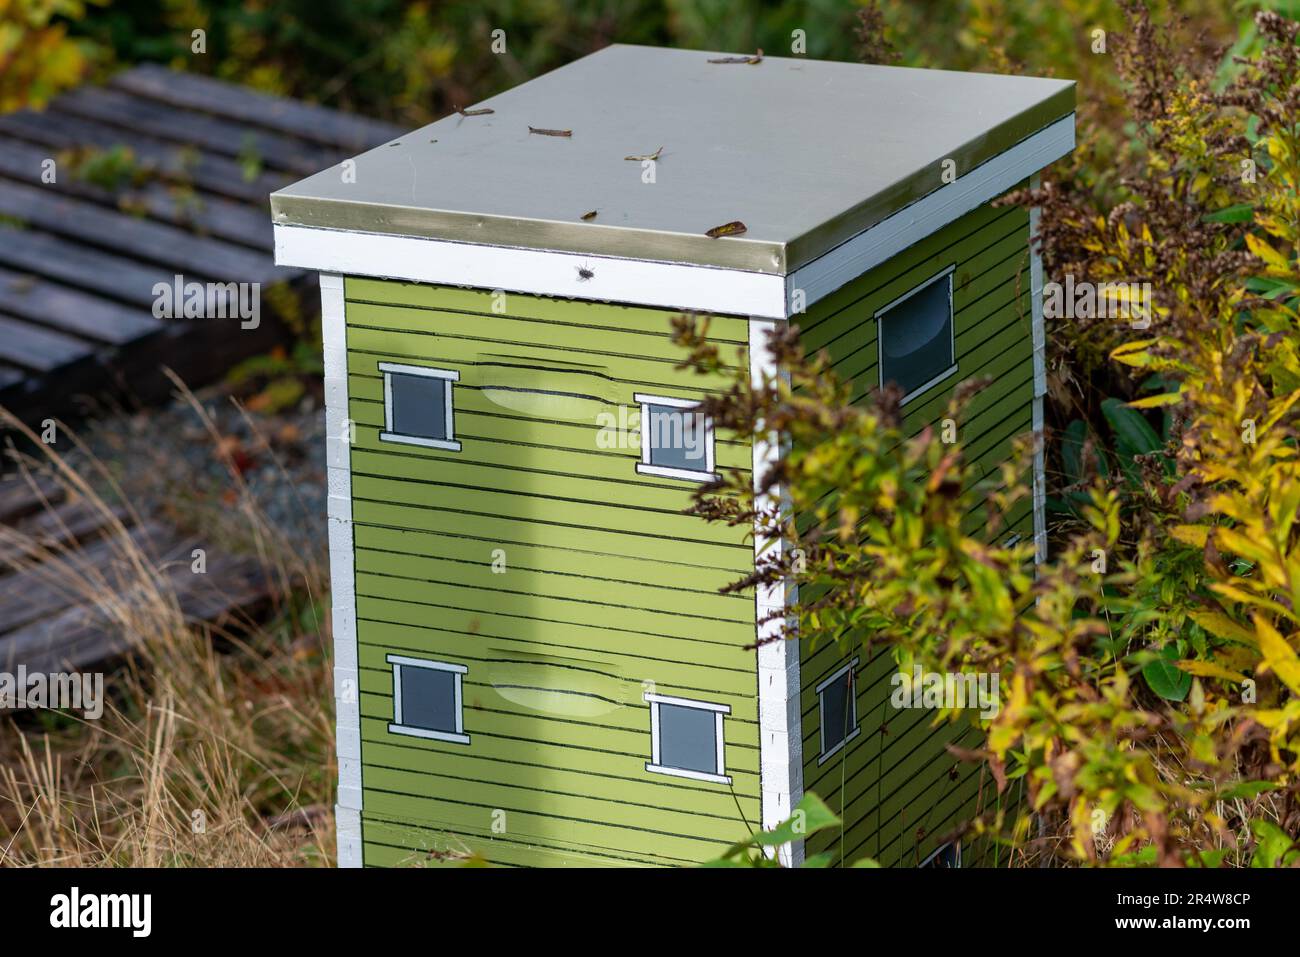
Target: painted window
838 710
676 439
427 700
947 856
686 738
418 406
917 345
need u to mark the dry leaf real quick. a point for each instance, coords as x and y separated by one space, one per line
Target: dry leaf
590 215
756 58
733 228
652 156
545 132
483 112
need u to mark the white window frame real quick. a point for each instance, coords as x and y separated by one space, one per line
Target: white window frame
719 711
458 671
448 376
952 329
939 850
855 729
644 467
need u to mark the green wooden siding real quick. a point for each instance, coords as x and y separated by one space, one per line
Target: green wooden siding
896 786
607 589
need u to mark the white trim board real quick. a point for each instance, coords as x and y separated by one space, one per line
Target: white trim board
662 284
347 691
1039 332
868 249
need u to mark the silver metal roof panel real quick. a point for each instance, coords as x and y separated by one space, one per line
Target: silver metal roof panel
806 153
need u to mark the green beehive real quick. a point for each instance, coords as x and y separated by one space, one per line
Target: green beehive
532 658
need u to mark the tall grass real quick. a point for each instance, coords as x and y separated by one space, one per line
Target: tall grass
216 744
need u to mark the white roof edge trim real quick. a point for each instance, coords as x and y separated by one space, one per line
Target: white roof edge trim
666 285
534 272
871 247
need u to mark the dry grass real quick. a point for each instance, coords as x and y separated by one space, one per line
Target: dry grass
216 746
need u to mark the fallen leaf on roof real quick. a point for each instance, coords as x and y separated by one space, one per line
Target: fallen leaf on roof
545 132
733 228
651 156
590 215
483 112
756 58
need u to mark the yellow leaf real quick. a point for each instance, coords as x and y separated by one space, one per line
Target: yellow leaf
1194 535
1206 669
1155 401
1267 253
1281 657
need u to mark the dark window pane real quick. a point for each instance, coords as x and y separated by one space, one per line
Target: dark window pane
916 338
419 406
949 856
836 716
677 438
428 698
688 739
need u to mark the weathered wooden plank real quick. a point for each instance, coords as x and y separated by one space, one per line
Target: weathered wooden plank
76 313
198 212
37 349
169 246
56 526
227 137
194 91
20 495
180 163
74 264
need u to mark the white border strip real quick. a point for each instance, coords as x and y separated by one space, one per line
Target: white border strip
821 277
1040 383
780 725
347 690
667 285
533 271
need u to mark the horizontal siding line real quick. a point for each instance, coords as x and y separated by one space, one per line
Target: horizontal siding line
895 737
537 521
632 478
533 420
877 832
380 646
639 385
537 842
534 789
554 817
545 571
558 548
550 621
666 334
935 829
658 781
938 254
732 720
577 601
1020 251
512 343
813 679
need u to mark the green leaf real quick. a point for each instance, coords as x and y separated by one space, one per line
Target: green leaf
1165 678
1248 789
1240 213
810 816
1274 847
865 862
1135 435
1072 439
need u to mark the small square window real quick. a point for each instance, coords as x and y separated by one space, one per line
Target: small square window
838 710
676 439
947 857
418 406
686 738
916 337
427 700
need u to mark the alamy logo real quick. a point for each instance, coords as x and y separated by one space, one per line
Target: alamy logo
75 909
214 300
680 429
60 691
931 689
1106 300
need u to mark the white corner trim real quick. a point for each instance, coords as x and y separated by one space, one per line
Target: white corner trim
533 271
347 689
821 277
1040 382
780 725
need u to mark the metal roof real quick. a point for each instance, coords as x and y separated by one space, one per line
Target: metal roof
806 153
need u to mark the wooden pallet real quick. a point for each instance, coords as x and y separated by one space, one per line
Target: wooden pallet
69 574
78 262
